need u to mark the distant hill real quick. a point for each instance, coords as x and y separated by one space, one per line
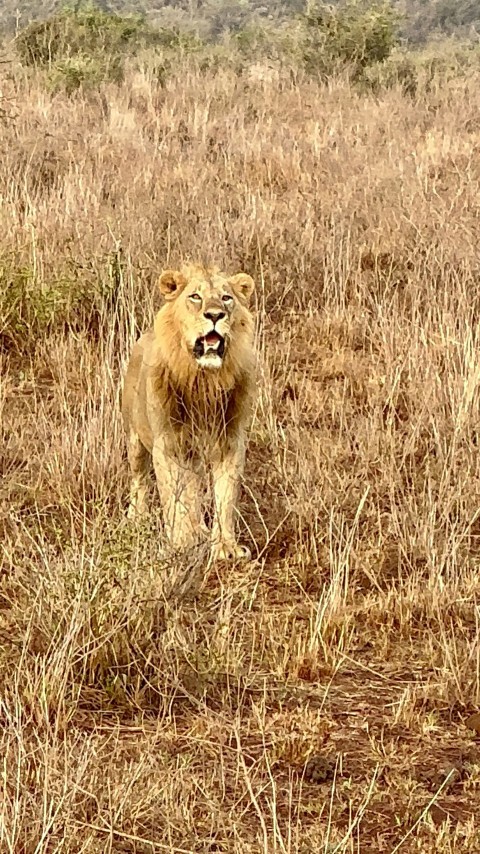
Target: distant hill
421 18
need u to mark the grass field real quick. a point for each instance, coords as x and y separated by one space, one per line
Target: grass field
318 699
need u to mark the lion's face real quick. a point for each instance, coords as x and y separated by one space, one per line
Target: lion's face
209 308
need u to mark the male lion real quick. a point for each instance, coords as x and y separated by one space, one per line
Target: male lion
186 403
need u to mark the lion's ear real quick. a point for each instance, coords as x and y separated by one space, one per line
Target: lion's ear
171 283
243 285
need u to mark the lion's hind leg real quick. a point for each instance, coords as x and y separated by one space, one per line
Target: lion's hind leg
139 460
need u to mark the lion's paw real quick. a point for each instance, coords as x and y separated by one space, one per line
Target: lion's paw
231 551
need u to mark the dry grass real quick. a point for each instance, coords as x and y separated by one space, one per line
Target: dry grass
315 700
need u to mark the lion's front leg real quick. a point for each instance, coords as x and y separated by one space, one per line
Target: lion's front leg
181 498
227 472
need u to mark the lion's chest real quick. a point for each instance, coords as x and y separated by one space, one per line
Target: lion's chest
201 422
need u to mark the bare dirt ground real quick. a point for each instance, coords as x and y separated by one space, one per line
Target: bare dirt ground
320 698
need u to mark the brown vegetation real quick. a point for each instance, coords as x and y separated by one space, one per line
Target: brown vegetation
316 699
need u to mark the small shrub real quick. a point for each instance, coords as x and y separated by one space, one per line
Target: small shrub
85 32
88 46
30 310
352 36
85 72
8 111
400 69
446 60
422 70
263 41
172 38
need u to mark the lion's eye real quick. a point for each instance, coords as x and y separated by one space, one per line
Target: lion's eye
227 298
195 297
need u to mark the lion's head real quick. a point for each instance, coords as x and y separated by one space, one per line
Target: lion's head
205 324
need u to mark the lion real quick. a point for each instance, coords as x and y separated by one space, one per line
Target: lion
186 405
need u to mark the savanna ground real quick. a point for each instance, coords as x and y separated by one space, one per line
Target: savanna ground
316 699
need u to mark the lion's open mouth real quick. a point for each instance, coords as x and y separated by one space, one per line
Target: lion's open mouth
211 345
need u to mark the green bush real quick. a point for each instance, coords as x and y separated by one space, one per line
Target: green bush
400 69
27 310
436 65
352 36
87 31
31 309
268 41
446 60
172 38
85 47
85 72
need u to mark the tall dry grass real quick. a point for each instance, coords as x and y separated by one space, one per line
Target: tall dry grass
316 699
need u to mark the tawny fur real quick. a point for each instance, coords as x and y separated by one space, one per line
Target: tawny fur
188 418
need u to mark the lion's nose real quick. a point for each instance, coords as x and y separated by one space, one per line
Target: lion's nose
214 314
